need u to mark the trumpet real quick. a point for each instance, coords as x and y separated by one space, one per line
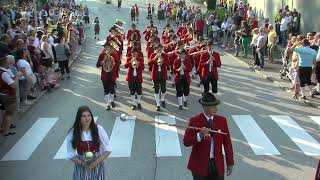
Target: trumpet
198 52
159 61
107 63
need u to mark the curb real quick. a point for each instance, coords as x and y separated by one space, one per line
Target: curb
275 82
42 93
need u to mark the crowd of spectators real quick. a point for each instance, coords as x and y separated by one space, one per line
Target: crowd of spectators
32 57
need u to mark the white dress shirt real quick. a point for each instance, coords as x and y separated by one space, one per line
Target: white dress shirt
212 143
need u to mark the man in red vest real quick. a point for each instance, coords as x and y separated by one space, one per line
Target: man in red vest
207 159
7 95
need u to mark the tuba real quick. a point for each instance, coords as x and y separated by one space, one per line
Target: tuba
108 62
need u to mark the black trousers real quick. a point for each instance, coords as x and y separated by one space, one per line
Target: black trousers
159 84
212 173
305 76
135 87
214 84
64 65
255 55
182 87
108 86
317 70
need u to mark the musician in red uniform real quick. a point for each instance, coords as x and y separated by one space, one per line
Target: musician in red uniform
158 62
206 160
182 30
109 61
195 59
135 67
134 45
165 33
182 68
149 30
208 68
133 31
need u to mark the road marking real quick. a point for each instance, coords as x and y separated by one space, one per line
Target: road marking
315 119
167 140
24 148
298 135
122 137
256 138
62 152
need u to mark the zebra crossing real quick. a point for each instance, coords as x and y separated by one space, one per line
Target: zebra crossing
167 138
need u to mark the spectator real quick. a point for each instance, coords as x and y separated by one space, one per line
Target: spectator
284 28
307 57
245 39
272 39
237 42
253 45
261 42
63 54
7 96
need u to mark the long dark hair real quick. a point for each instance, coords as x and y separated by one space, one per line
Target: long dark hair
77 128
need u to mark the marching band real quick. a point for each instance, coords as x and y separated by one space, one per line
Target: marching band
178 58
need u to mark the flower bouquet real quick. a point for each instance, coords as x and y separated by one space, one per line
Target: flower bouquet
89 157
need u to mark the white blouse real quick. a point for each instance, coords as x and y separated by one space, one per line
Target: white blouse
86 136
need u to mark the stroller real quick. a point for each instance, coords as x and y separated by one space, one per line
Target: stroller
285 71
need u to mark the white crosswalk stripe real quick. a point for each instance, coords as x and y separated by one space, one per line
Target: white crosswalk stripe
24 148
256 138
62 152
298 135
167 140
122 137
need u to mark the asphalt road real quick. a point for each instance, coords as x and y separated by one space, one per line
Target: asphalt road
273 137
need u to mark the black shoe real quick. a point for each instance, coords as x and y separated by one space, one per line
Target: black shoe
139 106
180 108
12 126
133 107
10 134
31 97
113 104
68 77
95 38
158 108
115 96
108 107
185 103
163 104
316 93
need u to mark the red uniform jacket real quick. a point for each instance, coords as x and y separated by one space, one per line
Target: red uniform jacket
187 38
140 69
129 54
182 31
196 57
130 48
203 68
104 74
130 32
187 69
154 66
147 34
150 51
200 155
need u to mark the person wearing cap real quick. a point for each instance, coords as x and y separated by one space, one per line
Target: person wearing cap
208 68
151 48
149 30
109 76
190 37
207 160
158 62
195 59
182 68
133 45
96 27
182 30
116 38
165 33
135 66
133 31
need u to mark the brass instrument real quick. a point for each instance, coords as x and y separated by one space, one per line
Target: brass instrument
119 29
108 62
159 61
134 62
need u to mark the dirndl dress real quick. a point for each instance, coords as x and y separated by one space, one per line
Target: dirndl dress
83 173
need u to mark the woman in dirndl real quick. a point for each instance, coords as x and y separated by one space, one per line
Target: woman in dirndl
96 27
88 146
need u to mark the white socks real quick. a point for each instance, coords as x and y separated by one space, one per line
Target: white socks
138 99
302 91
157 97
180 101
318 87
111 97
106 98
163 96
185 98
133 98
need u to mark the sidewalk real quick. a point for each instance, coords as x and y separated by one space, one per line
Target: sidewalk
39 93
271 73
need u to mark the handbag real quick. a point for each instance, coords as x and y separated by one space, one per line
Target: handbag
66 51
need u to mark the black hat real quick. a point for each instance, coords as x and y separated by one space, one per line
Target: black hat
159 45
113 28
133 25
171 31
135 49
168 25
208 99
182 51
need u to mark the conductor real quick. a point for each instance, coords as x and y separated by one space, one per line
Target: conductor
206 160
